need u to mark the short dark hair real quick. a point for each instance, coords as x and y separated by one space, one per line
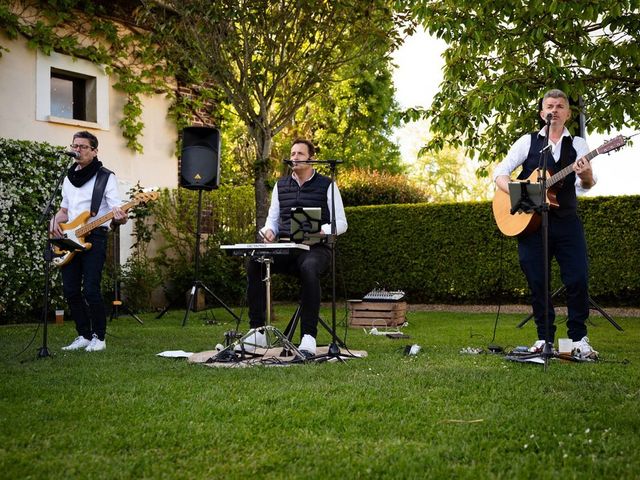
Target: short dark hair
93 140
310 146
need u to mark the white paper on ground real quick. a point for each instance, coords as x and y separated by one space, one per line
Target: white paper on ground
175 354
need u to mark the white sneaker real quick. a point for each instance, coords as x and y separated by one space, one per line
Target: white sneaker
308 345
256 340
96 345
537 347
582 349
77 344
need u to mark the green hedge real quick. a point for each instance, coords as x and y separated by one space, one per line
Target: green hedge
453 253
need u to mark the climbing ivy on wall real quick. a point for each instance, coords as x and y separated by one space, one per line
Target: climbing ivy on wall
100 32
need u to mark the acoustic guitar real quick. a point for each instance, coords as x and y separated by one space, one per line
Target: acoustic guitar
74 232
520 222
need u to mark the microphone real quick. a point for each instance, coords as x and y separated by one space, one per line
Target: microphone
71 154
291 163
549 117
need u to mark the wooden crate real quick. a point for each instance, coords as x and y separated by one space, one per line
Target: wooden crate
376 314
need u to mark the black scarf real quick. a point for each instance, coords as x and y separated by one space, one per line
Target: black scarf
82 176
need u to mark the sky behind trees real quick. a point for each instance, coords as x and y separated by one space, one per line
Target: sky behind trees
417 76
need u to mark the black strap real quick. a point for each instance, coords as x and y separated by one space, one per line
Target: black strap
566 158
102 177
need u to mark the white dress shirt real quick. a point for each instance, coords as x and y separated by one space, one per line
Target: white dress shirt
274 211
78 199
519 152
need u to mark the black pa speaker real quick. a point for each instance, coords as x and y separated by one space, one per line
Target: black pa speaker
200 159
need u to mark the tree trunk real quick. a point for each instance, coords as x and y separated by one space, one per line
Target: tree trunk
260 181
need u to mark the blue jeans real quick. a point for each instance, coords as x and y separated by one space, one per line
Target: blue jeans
567 244
81 279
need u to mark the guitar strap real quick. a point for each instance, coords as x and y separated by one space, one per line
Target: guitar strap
102 177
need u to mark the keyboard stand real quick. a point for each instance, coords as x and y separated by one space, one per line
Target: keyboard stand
238 350
295 319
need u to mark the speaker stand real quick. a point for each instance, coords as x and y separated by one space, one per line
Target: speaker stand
197 284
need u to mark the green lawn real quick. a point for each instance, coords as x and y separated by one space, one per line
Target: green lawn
126 413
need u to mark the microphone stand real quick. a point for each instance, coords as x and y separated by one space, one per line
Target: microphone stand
547 349
47 255
334 349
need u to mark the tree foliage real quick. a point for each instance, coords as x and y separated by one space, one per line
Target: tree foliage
355 120
503 54
270 58
447 176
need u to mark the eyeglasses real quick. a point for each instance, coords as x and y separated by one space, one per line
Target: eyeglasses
81 147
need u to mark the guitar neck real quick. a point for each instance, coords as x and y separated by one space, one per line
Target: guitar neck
556 177
85 229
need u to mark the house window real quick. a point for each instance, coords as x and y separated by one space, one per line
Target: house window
71 91
73 96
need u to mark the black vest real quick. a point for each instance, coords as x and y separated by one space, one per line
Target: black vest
313 193
565 190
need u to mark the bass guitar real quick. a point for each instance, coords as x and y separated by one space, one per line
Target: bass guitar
520 222
74 232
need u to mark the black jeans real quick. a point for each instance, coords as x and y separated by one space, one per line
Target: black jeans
567 244
81 285
308 266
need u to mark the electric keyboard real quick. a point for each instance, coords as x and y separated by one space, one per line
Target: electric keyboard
381 295
252 249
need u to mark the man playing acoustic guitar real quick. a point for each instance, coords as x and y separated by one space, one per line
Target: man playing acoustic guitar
82 274
566 235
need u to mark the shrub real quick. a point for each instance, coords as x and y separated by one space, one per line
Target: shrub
28 174
370 187
228 216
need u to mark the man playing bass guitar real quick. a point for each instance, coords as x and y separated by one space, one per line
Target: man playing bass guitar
566 235
81 276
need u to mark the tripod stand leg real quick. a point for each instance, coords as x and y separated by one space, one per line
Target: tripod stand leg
293 323
220 302
192 296
522 323
131 314
592 305
115 311
597 307
553 295
164 310
332 333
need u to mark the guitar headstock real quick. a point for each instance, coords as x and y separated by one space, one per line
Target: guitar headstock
144 197
613 144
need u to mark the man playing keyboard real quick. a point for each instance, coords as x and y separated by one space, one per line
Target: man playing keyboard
303 188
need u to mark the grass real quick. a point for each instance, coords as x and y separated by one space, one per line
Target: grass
126 413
